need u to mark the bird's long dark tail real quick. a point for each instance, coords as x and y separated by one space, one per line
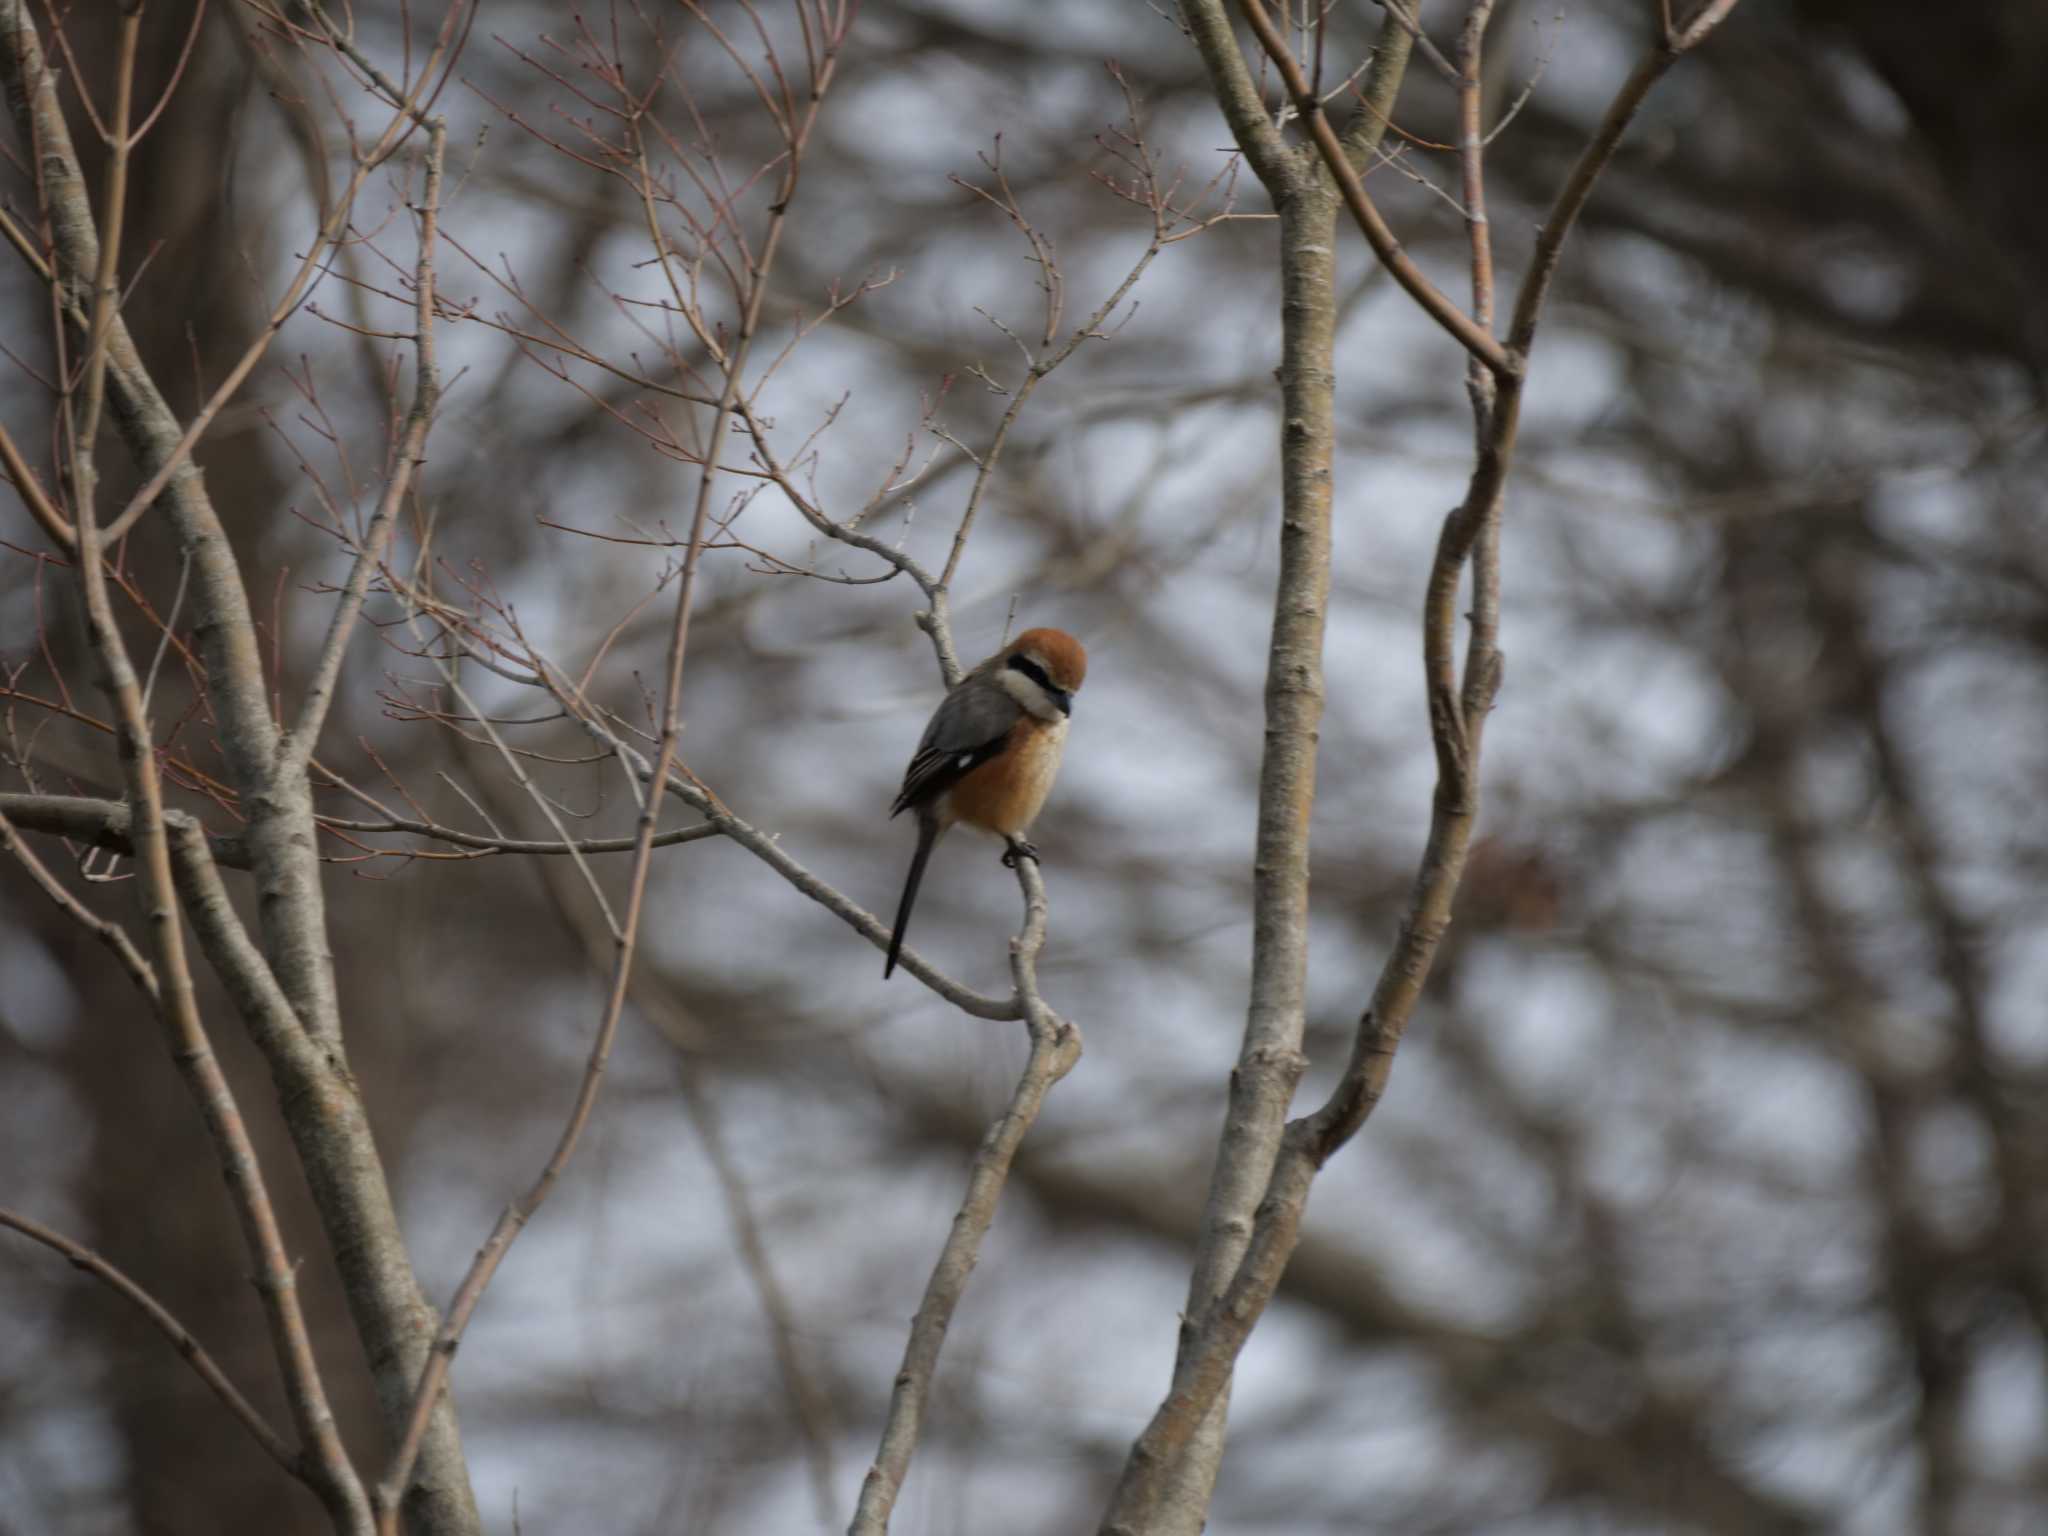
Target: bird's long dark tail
927 834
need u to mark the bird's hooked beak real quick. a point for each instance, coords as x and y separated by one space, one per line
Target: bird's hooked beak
1062 698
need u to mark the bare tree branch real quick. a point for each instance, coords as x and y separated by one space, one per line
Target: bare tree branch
1055 1047
298 746
329 1128
108 932
327 1467
1211 1339
1435 303
82 1257
1171 1492
516 1215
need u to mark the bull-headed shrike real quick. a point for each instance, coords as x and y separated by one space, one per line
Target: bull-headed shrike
990 753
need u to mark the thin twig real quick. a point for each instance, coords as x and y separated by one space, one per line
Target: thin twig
108 932
484 845
1435 303
33 496
391 1487
298 744
181 1339
1479 381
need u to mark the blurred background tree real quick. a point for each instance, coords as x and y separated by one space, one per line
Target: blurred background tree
1707 1195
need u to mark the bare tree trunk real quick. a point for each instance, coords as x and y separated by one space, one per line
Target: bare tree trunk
299 1027
1270 1061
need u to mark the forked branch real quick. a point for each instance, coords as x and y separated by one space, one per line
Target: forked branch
1458 706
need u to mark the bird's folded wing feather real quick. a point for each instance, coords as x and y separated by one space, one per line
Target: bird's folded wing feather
968 730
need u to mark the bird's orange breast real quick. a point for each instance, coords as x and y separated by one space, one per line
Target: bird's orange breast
1005 793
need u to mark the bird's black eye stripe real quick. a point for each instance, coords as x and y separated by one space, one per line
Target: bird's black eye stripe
1032 670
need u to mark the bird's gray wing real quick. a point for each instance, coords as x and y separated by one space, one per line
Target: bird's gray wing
968 730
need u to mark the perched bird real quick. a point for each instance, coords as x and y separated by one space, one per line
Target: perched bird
989 755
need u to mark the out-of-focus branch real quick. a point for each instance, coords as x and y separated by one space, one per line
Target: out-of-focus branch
809 1405
1055 1047
658 999
1694 31
181 1339
1906 1273
1974 1068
